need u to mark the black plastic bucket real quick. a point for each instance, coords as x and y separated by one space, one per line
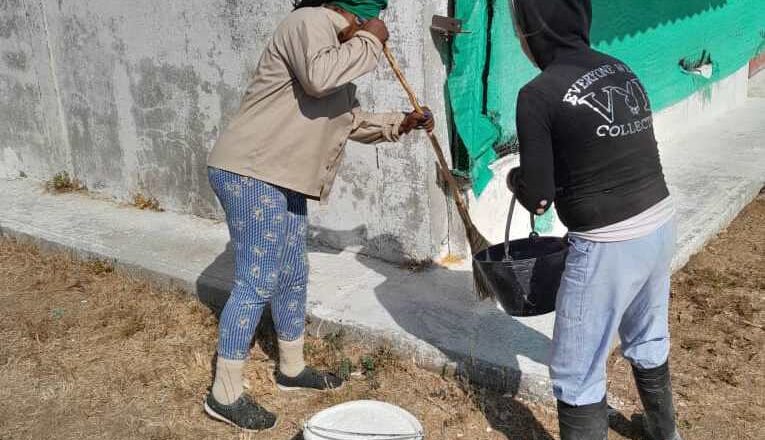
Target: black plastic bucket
523 275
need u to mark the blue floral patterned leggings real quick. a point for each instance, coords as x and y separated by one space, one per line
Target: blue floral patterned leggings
268 229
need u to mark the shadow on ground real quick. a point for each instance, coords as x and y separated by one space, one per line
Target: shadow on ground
453 322
431 319
628 428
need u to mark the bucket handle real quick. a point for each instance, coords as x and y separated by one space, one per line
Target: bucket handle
532 235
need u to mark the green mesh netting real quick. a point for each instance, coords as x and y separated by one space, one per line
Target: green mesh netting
466 91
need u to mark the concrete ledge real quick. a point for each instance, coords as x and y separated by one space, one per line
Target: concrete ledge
429 316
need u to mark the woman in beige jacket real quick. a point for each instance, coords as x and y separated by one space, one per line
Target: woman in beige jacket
283 147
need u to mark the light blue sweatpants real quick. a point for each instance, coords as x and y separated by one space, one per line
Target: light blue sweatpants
268 228
609 288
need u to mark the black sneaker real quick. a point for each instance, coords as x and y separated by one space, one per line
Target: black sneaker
308 379
244 414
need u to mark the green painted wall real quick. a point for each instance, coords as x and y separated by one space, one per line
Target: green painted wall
649 35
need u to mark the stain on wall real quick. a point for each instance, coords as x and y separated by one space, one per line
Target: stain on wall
12 18
170 126
30 134
88 99
15 60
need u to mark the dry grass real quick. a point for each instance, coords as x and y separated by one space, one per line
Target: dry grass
145 202
89 353
64 183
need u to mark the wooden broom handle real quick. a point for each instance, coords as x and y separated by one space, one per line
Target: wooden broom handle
445 172
402 79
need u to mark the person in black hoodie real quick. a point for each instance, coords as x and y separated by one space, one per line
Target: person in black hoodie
587 145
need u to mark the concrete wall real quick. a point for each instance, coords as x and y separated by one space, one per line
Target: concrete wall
31 136
130 97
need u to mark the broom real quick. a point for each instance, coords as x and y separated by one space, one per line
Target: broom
477 241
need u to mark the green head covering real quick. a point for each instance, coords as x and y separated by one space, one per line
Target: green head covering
364 9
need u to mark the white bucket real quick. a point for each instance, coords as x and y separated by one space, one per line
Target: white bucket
363 420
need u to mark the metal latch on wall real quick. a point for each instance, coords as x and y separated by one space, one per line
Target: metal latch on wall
447 26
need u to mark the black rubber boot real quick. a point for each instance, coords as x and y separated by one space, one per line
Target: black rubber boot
587 422
655 389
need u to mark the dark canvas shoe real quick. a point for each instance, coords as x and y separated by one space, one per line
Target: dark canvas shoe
244 414
308 379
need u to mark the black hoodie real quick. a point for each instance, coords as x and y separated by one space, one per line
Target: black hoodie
584 124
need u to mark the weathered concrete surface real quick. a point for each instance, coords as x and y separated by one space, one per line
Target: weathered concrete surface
31 138
714 170
130 97
757 85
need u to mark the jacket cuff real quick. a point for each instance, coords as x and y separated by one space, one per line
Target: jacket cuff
372 38
394 121
512 179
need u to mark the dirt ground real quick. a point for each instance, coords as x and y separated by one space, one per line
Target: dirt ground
89 353
716 322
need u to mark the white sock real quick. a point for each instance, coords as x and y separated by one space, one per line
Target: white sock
291 362
228 385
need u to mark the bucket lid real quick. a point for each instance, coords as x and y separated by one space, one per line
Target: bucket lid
363 420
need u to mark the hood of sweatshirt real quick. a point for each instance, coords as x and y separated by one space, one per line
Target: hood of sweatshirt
553 27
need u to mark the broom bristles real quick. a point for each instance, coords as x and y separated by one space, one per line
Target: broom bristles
480 288
478 243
